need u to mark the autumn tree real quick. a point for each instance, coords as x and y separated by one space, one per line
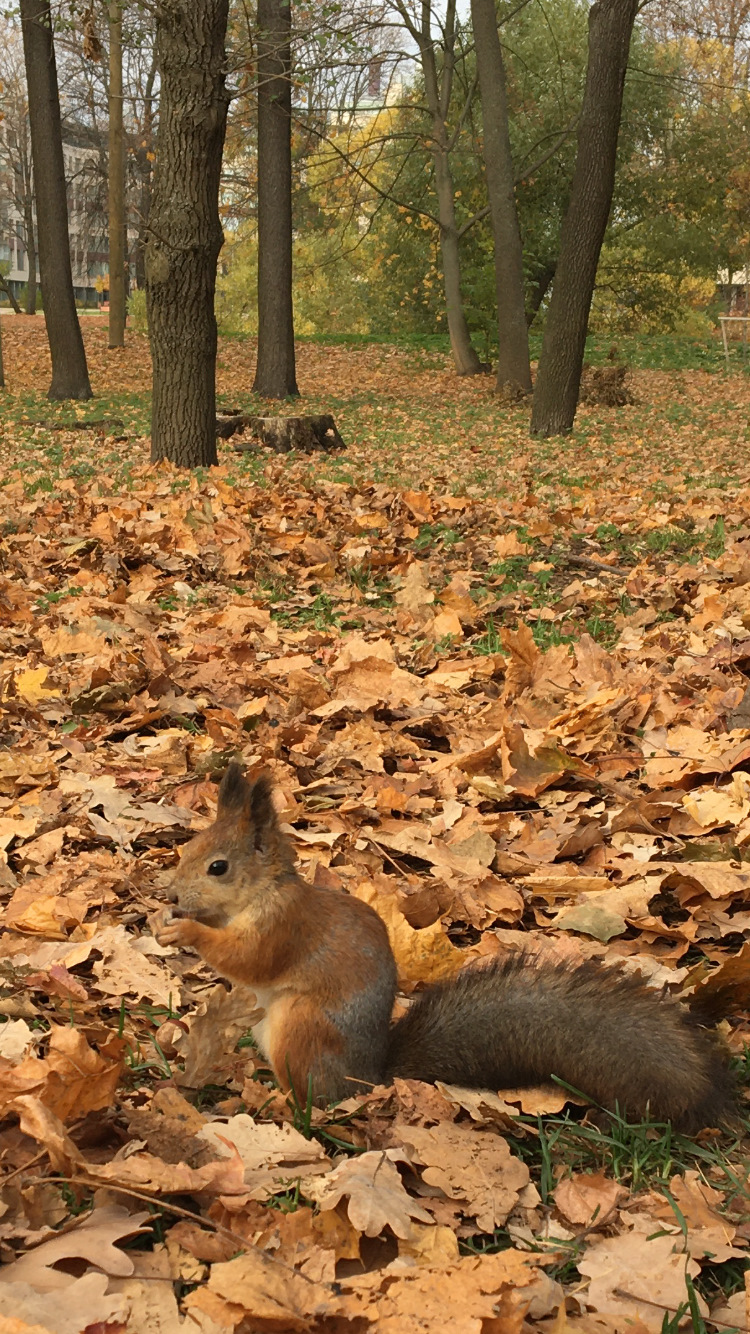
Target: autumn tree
86 96
275 374
368 244
70 378
714 36
15 152
116 181
143 156
561 361
513 367
438 89
185 234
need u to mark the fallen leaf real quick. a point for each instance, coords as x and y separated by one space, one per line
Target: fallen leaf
588 1199
375 1192
640 1264
32 685
470 1165
92 1240
23 1310
71 1080
421 956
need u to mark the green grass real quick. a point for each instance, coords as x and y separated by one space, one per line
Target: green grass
320 614
458 444
432 535
642 1156
661 352
656 352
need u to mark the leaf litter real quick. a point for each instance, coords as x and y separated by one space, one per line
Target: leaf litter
497 715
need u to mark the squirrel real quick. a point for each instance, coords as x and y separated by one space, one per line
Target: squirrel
323 972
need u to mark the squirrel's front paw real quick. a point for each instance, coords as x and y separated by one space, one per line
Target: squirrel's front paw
170 929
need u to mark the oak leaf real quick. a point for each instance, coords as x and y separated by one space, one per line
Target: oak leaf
376 1194
470 1165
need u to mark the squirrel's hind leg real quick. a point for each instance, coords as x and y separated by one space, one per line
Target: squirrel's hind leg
306 1048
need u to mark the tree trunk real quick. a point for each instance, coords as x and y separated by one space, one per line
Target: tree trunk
185 234
558 381
144 208
2 369
70 377
513 368
465 358
438 95
275 374
145 174
30 239
540 286
116 181
6 287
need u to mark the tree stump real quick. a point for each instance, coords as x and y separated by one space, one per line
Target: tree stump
606 386
282 434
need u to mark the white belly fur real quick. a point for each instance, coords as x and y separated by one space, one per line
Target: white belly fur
262 1030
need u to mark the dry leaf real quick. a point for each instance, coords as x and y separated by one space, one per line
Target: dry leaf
264 1291
376 1195
93 1240
473 1166
71 1080
421 956
76 1309
643 1263
588 1198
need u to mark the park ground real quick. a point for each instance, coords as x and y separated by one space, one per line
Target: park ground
410 421
500 684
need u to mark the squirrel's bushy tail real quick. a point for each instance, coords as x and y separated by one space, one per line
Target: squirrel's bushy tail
521 1021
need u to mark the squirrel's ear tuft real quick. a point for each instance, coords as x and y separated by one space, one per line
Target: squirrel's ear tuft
235 793
249 806
262 811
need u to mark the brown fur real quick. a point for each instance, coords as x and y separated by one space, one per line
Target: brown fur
520 1022
320 960
322 967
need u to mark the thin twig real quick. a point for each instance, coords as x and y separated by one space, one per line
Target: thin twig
181 1213
631 1297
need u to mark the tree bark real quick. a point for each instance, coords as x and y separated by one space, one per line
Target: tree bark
561 361
30 240
465 358
6 287
185 234
438 95
145 174
116 181
541 283
513 367
70 377
275 372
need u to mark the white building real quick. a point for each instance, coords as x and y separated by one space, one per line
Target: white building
85 174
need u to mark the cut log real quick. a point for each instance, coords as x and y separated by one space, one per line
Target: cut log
282 434
229 422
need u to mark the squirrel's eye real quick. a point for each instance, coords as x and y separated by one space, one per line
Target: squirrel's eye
218 868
